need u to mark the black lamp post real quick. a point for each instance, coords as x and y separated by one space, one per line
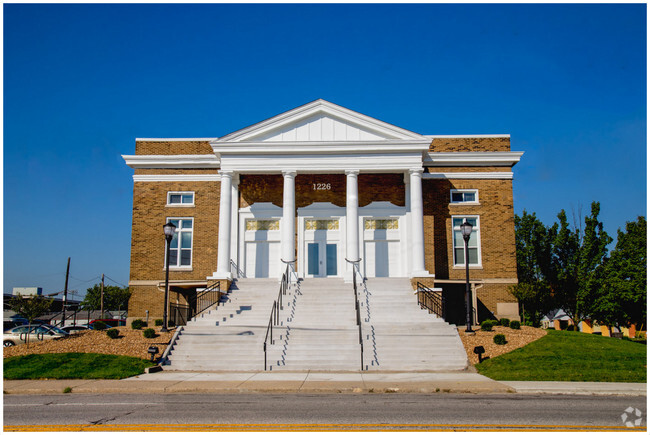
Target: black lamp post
466 230
169 229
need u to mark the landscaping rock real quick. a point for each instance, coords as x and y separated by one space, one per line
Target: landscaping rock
515 338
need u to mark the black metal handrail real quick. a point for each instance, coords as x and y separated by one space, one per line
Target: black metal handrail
240 273
180 314
274 318
355 266
203 300
431 300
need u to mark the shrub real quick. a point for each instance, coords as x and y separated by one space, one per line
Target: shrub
505 322
486 325
158 322
113 333
149 333
515 324
138 323
494 322
570 328
99 325
500 339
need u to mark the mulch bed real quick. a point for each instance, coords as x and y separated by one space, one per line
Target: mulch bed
515 338
131 342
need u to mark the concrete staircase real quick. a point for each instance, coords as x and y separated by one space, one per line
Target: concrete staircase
321 333
230 336
318 330
399 335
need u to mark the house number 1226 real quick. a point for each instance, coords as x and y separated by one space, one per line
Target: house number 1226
322 186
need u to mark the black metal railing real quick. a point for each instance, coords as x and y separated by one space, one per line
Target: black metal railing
431 300
274 318
355 270
236 271
198 302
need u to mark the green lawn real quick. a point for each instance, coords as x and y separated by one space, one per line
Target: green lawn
73 366
571 356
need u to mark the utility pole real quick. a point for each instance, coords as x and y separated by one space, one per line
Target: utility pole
102 297
65 292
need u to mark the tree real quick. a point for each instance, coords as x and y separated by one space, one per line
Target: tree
576 262
115 298
622 299
30 307
533 266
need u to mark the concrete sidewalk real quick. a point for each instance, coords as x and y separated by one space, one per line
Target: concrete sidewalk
317 382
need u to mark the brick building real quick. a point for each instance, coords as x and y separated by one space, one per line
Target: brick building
315 187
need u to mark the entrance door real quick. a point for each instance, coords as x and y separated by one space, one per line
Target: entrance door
321 259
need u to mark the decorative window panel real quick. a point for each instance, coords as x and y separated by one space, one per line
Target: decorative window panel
321 224
262 225
381 224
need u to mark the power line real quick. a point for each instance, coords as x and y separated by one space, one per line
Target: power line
123 285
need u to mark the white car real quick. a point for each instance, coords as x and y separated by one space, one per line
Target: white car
18 335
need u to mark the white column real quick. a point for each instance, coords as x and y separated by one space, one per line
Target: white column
417 223
234 223
289 216
351 220
225 216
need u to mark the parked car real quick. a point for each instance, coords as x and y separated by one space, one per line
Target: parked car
75 329
18 335
13 322
109 322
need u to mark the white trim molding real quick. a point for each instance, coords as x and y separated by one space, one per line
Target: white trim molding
172 161
176 177
469 175
487 158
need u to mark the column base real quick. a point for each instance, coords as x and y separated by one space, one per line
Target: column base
221 275
422 274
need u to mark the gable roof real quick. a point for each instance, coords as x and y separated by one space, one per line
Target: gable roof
320 121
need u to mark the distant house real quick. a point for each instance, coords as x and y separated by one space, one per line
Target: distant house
556 319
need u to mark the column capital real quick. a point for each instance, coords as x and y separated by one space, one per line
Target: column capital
226 173
289 172
351 172
416 171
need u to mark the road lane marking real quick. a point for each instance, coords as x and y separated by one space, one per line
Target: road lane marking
306 427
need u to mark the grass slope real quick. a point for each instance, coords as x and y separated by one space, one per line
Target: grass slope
73 366
571 356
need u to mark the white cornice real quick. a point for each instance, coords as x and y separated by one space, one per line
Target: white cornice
496 158
177 177
175 139
319 106
324 163
171 161
469 175
261 148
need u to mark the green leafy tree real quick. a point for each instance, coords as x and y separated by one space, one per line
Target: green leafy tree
576 261
621 300
30 307
533 242
115 298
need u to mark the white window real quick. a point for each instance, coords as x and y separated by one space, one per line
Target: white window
473 245
180 248
464 196
180 199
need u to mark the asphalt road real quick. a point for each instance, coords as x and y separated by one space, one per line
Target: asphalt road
185 412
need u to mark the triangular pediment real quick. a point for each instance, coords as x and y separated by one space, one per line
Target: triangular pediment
320 121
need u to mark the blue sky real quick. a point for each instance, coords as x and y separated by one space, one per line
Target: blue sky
81 82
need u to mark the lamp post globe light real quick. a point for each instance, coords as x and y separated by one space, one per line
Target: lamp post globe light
466 231
168 229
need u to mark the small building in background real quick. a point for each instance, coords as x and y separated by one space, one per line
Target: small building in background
27 291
